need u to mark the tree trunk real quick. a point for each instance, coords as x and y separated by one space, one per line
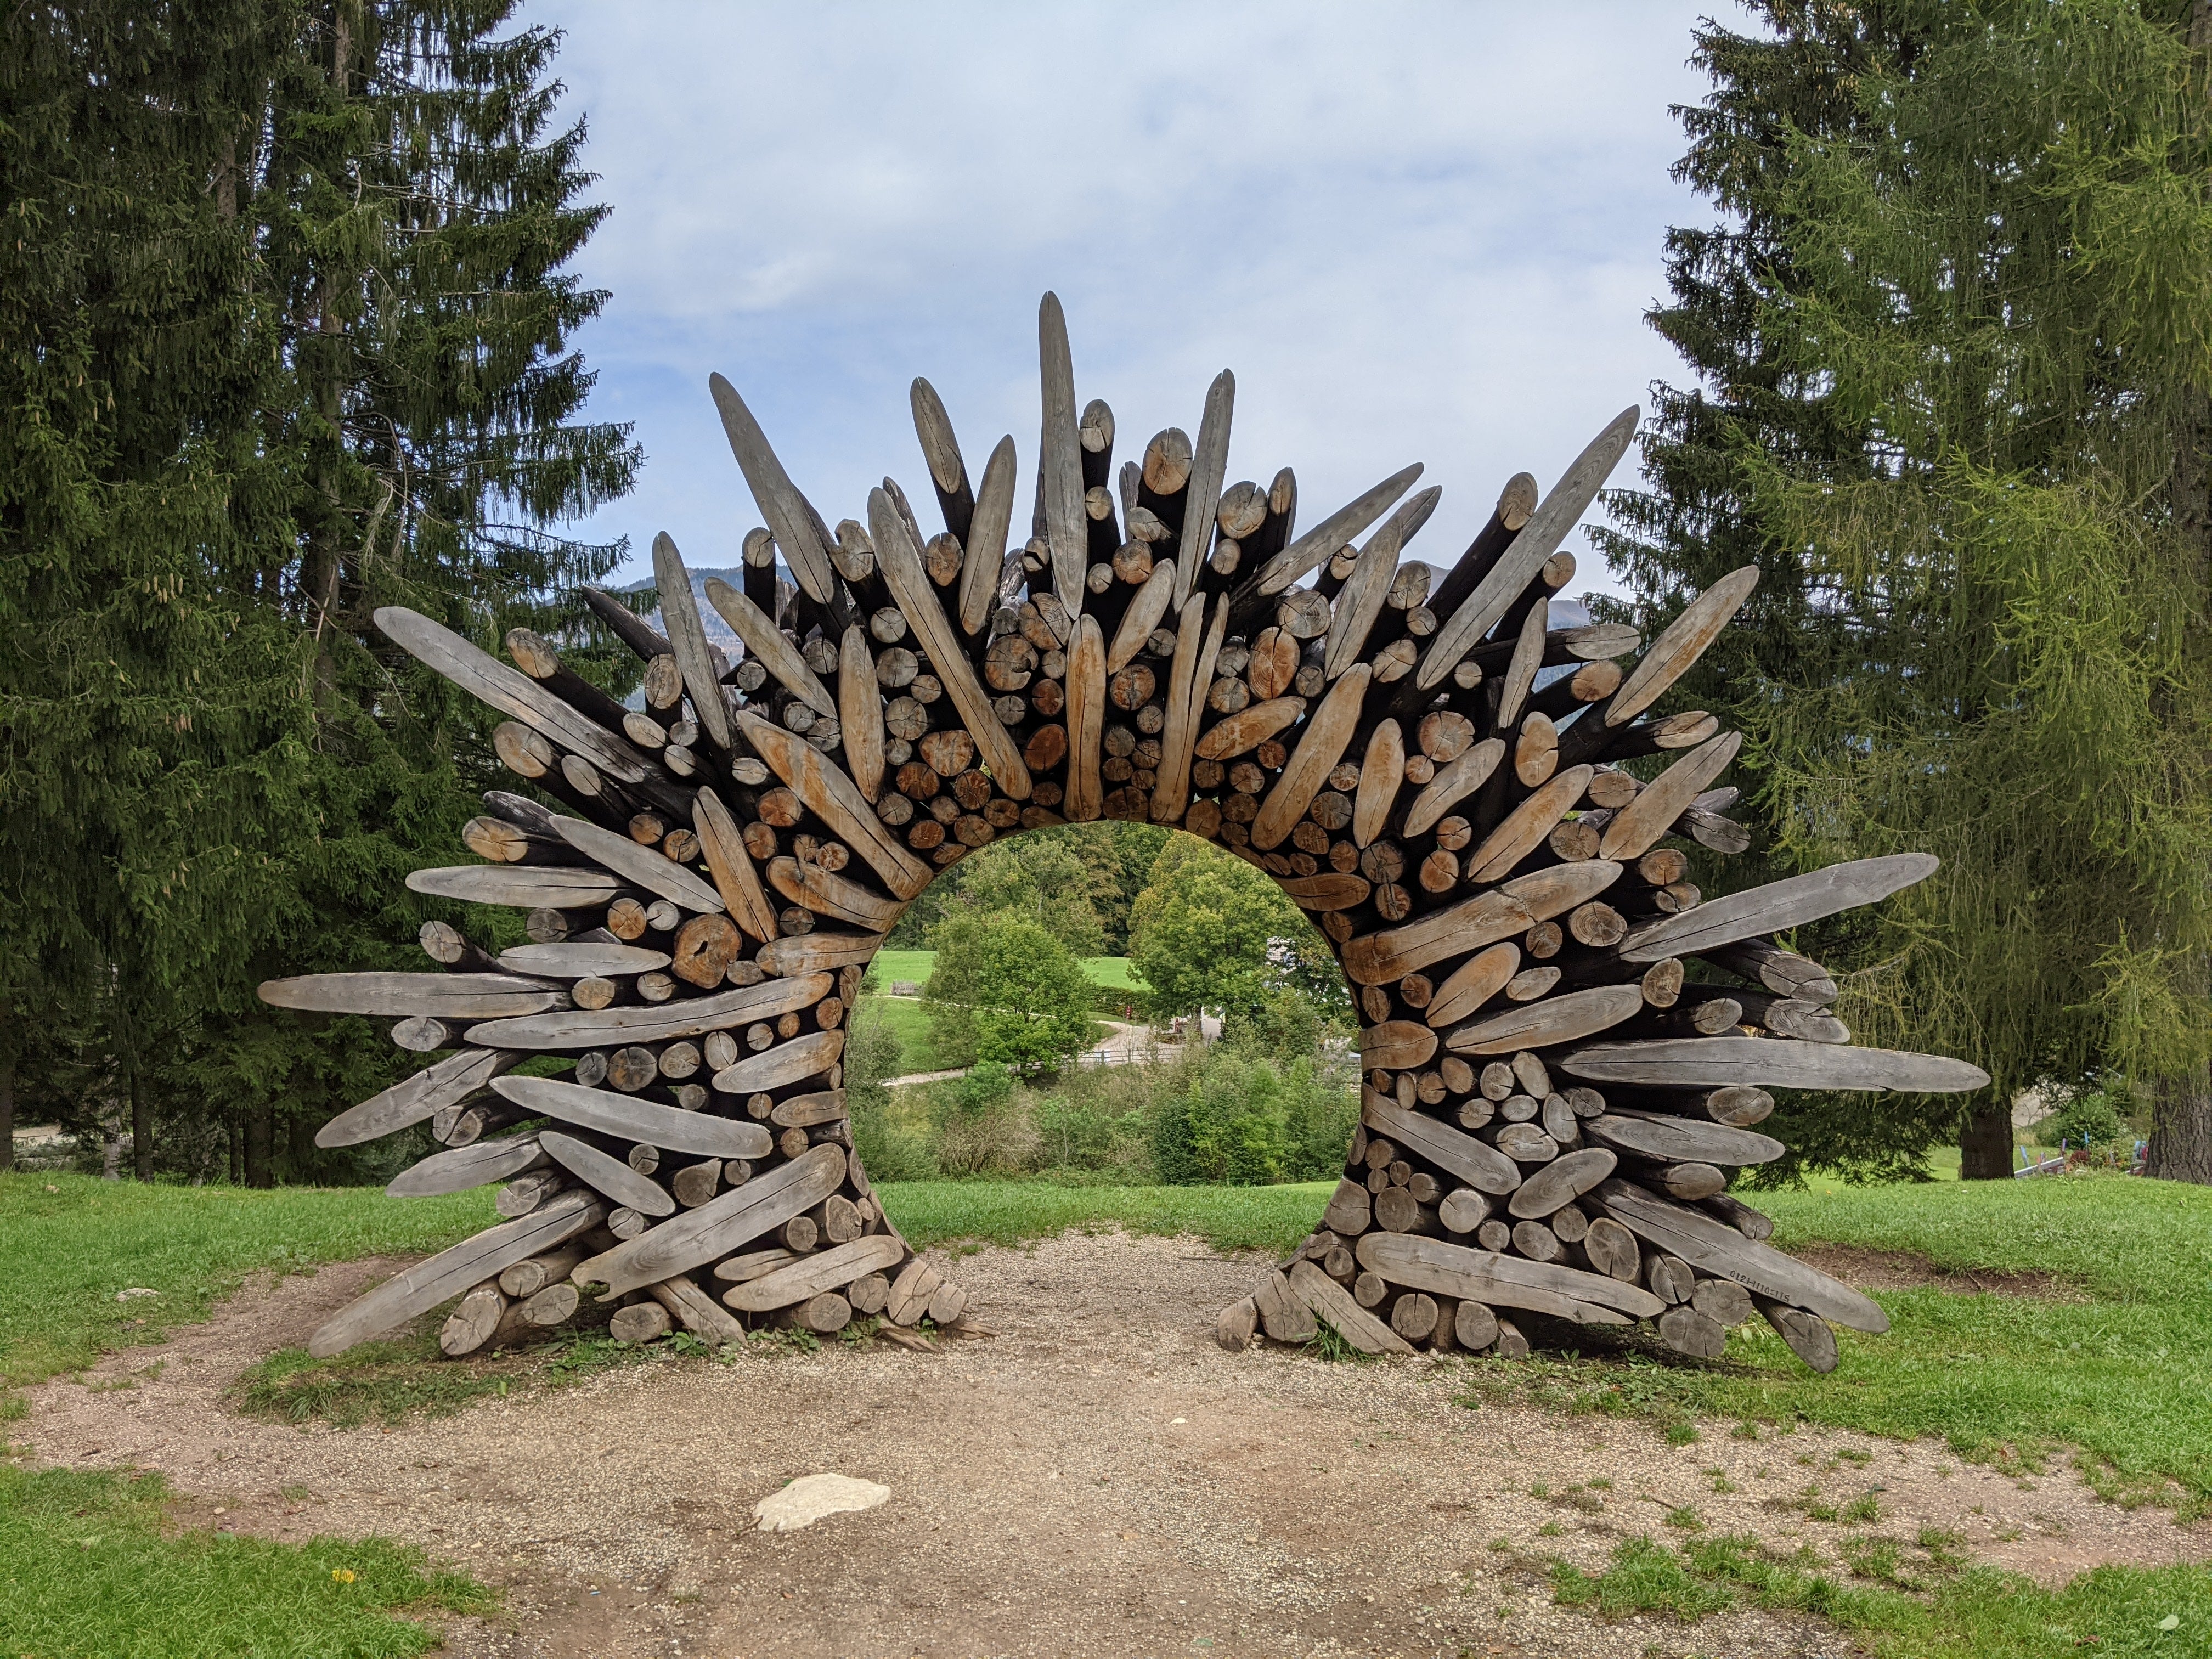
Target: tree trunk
232 1147
1986 1148
2181 1129
7 1112
142 1130
260 1130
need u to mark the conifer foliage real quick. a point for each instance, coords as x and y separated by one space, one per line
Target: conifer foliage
285 335
1954 346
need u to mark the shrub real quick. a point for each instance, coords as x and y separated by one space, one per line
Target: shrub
2087 1118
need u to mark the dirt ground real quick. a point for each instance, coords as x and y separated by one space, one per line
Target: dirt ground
1099 1479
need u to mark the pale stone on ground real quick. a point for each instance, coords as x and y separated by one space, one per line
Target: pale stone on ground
812 1497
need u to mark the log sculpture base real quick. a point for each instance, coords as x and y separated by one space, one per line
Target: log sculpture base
1566 1048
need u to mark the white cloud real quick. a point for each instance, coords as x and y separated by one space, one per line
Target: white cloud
1415 231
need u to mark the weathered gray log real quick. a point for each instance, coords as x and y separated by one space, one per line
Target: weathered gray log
1674 652
1336 530
642 866
766 645
579 960
490 681
1448 1269
443 1083
1681 1139
474 1321
527 1278
1775 907
731 866
814 953
633 1118
1359 603
718 1228
655 1022
1720 1062
1320 747
1198 644
1209 465
1330 1301
831 894
1719 1250
606 1174
1808 1336
526 887
1687 1330
789 516
1638 827
1454 783
1510 908
1558 512
1482 1167
1559 1183
1061 459
986 537
1722 1300
786 1063
1347 1212
687 640
1751 1224
641 1321
810 1275
472 1261
476 1164
1555 1020
693 1308
1234 1325
805 1111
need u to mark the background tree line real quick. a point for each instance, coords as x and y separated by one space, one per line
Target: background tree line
285 334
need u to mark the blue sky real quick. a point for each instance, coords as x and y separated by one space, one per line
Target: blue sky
1416 232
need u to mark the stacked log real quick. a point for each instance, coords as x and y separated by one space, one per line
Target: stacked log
1552 1109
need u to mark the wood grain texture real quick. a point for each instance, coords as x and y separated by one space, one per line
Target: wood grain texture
1726 1062
632 1117
789 519
900 562
1482 1167
1776 908
1332 533
1670 1140
1721 1250
492 682
1382 771
477 1164
1250 727
1536 541
439 996
1565 1018
422 1287
786 1063
764 641
1442 1268
1145 612
833 797
659 1022
1359 602
687 640
1674 652
1209 465
1060 457
578 961
1474 923
1454 783
986 537
526 887
1328 1300
720 1226
810 1275
1525 827
1197 645
1639 826
1086 722
724 848
1473 983
1320 747
607 1175
815 953
642 866
1328 890
831 894
1520 676
416 1099
1396 1045
1561 1181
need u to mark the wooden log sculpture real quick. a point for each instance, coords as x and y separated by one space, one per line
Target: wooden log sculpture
1551 1111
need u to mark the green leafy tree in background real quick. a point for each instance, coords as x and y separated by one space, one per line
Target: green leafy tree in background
1209 932
1005 992
286 337
1966 427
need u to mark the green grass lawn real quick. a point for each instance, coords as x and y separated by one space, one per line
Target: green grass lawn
2122 1373
904 1015
915 966
88 1569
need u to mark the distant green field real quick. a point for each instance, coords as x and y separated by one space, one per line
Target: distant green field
904 1016
915 966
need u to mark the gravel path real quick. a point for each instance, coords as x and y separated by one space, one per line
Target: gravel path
1100 1479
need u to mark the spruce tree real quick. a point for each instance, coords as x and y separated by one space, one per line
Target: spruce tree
1994 284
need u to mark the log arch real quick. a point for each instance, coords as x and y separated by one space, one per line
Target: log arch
1566 1048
